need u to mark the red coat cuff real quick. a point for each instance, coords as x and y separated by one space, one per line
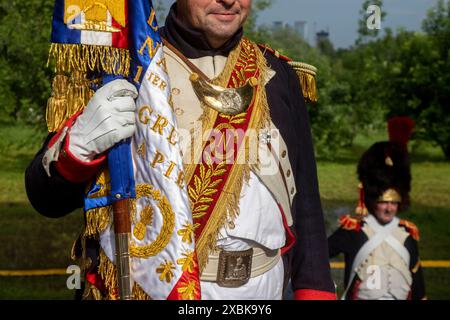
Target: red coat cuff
308 294
69 166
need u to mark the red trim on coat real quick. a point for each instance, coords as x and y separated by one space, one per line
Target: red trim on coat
68 165
290 241
274 52
309 294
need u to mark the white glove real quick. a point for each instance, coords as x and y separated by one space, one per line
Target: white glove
108 118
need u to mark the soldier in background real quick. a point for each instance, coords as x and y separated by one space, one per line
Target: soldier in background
381 251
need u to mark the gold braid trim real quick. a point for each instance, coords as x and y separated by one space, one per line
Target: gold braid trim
108 272
226 208
307 75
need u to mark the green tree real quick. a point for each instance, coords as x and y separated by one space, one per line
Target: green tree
418 78
24 44
251 29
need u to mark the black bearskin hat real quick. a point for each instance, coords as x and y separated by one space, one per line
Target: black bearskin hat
385 165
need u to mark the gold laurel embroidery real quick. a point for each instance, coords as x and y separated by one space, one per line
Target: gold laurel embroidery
163 238
165 269
188 290
188 232
246 64
236 119
188 262
205 183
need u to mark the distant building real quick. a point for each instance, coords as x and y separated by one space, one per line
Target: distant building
322 36
301 27
278 24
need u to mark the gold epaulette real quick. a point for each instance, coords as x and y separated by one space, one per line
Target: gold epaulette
349 222
411 228
307 75
305 72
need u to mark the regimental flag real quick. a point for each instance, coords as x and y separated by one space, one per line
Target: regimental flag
120 38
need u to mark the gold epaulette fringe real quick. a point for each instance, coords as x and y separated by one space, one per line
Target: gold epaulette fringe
307 75
71 89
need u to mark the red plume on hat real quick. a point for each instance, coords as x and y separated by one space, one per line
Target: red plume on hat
400 130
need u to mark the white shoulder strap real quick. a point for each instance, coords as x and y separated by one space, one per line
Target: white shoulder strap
399 248
381 232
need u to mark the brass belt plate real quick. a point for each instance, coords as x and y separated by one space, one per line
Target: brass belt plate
235 268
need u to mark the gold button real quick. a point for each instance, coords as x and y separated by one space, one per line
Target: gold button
176 91
283 155
253 81
288 173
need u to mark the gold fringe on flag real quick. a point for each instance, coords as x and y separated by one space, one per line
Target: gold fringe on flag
307 75
71 95
84 58
56 113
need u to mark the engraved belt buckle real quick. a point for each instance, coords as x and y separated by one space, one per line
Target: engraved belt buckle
235 268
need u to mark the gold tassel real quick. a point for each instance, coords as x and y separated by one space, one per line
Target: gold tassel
307 75
79 93
57 104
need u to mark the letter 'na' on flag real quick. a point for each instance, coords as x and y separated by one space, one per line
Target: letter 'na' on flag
97 40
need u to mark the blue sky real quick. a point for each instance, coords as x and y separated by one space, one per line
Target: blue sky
341 16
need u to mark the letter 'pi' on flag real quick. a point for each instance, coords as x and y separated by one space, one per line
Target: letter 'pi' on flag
94 42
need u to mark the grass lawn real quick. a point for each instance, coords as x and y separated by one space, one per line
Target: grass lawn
30 241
